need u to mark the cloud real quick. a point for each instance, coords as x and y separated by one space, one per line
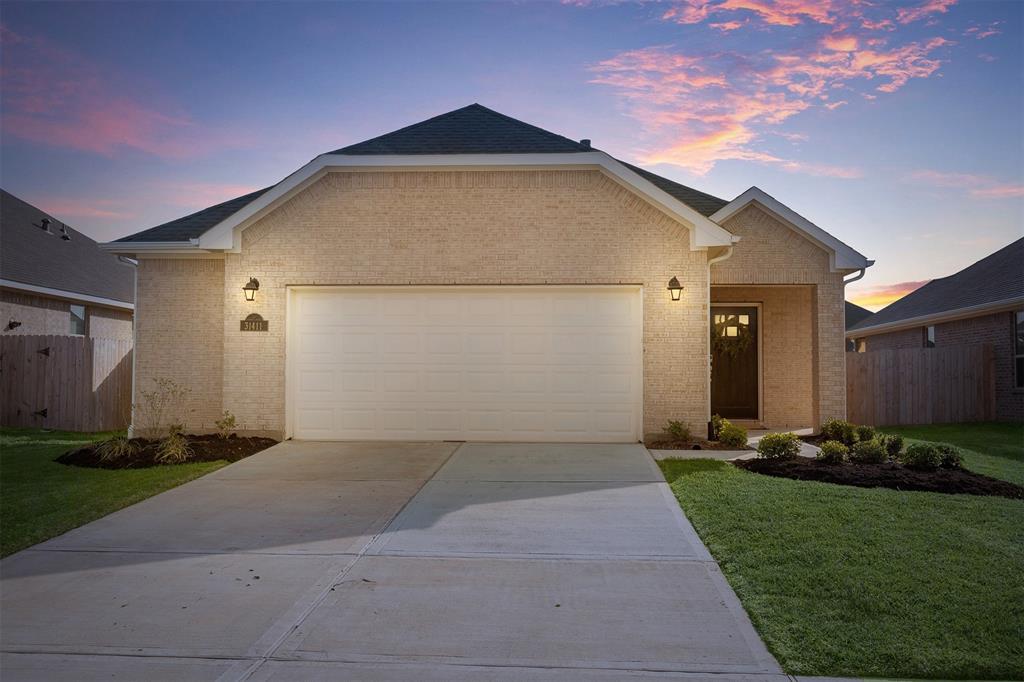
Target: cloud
196 195
978 186
982 32
906 15
57 98
870 15
74 207
877 297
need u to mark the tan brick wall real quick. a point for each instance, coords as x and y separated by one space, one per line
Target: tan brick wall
787 350
45 315
770 252
459 227
107 323
179 318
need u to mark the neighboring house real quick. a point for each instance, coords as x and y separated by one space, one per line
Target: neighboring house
56 281
854 315
475 277
983 303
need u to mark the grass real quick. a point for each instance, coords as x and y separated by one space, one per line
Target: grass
870 582
993 449
40 498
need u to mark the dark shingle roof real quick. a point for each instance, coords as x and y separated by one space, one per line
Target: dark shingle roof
470 130
31 256
998 277
193 225
854 314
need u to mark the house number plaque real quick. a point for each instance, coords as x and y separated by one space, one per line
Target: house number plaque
255 323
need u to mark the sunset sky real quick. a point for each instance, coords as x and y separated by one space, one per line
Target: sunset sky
898 127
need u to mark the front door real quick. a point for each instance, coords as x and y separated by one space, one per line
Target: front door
734 360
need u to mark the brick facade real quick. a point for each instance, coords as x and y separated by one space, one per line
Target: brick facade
52 316
441 228
996 329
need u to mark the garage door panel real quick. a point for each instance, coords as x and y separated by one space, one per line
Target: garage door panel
505 363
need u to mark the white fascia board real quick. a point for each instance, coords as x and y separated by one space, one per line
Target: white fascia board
1003 305
226 235
71 295
842 257
190 247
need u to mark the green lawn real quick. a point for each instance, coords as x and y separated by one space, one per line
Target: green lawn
871 582
995 450
40 498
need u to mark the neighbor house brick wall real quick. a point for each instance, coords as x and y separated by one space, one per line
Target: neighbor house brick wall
52 316
770 252
996 329
469 227
786 358
108 323
179 333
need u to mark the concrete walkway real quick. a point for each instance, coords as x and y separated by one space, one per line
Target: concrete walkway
386 561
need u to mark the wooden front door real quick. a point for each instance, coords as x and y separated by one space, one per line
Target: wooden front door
734 362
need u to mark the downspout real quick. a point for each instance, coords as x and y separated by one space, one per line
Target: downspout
711 261
860 273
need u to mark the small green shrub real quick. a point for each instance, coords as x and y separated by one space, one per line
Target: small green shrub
118 447
923 456
833 452
677 431
865 433
174 448
716 425
732 435
778 446
840 430
893 444
868 452
950 455
226 424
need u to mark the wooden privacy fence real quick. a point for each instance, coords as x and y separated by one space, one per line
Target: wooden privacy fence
921 385
71 383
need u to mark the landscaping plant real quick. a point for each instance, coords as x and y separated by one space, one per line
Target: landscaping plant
677 431
732 435
116 447
924 456
833 452
716 425
226 424
174 448
778 446
951 457
865 432
893 444
166 402
840 430
868 452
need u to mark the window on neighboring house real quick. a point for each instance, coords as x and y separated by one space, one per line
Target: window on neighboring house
929 336
78 320
862 345
1018 347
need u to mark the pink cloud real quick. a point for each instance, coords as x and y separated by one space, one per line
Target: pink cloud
726 26
978 186
906 15
201 194
776 12
877 297
61 99
73 207
982 32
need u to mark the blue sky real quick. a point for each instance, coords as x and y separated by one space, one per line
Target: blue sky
898 127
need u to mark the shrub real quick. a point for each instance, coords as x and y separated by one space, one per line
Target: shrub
893 444
732 435
833 452
226 424
840 430
778 446
868 452
716 425
118 447
950 455
677 431
865 433
174 448
921 456
158 407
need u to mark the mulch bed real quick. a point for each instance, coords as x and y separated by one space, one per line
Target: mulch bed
692 445
207 448
895 476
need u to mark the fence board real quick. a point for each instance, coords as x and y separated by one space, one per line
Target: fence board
83 384
921 385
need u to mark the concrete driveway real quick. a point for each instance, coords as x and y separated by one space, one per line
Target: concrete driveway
386 561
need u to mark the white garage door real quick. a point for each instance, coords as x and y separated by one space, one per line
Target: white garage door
461 363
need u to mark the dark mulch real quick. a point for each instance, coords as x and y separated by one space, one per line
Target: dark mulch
692 445
895 476
207 448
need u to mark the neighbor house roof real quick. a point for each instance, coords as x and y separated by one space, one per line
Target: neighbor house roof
855 314
42 260
474 129
994 281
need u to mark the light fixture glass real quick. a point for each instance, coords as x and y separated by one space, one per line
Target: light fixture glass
250 289
675 289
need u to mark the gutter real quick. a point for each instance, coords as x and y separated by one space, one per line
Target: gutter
70 295
1004 305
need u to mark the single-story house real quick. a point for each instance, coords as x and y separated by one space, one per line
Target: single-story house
473 277
54 280
983 303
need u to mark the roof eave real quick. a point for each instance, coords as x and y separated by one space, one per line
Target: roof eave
1003 305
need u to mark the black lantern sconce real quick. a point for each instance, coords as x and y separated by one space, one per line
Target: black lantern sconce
251 288
675 289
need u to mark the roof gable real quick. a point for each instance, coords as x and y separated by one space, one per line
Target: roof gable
191 226
32 256
856 314
993 280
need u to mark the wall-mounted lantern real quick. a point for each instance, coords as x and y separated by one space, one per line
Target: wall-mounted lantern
251 288
675 289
